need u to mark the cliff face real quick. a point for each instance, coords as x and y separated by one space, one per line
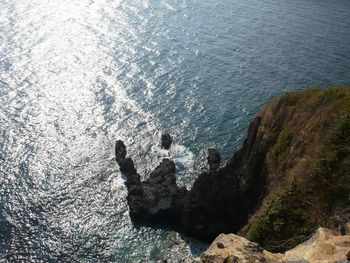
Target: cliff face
307 168
291 175
219 201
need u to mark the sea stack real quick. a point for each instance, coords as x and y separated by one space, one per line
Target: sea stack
167 140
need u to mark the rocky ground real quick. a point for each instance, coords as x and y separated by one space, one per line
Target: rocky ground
324 246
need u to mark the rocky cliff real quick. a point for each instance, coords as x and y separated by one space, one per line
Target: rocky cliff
307 168
322 247
291 175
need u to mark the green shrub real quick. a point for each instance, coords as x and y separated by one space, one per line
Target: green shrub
284 224
289 98
318 189
284 141
340 134
319 97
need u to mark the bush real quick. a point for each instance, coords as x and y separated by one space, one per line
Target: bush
284 141
340 134
284 224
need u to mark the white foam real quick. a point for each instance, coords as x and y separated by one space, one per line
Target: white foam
161 153
180 154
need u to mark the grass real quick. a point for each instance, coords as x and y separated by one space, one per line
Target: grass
284 216
283 144
319 189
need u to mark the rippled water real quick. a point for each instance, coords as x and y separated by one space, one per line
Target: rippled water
77 75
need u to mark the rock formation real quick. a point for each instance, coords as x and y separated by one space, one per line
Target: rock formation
157 198
291 175
167 140
219 201
323 247
213 159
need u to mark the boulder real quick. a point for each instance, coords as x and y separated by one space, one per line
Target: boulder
166 141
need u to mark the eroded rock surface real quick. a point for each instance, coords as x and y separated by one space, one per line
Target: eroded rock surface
158 197
233 248
323 247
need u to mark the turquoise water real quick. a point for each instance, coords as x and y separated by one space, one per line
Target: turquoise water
77 75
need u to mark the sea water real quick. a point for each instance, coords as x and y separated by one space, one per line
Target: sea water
76 75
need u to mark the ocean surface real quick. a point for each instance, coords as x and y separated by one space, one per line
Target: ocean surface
76 75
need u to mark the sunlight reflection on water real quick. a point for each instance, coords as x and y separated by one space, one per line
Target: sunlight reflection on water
77 75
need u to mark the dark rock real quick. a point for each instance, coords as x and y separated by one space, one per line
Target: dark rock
348 256
127 167
213 159
161 193
166 141
220 200
120 151
156 198
220 245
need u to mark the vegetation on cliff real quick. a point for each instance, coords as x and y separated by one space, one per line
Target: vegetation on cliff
308 167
